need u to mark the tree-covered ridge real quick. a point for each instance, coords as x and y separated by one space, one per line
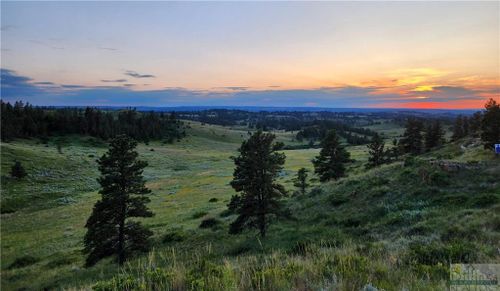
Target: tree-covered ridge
24 120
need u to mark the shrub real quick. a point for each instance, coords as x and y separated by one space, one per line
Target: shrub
436 253
484 200
213 200
239 249
315 191
439 178
59 262
23 261
174 235
209 223
199 214
226 213
17 170
337 200
409 161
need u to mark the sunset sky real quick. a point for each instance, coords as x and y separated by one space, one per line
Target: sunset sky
325 54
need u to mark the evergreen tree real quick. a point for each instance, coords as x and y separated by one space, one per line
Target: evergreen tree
123 196
490 125
332 157
434 135
465 125
17 170
257 167
458 128
376 152
393 153
301 180
411 142
475 124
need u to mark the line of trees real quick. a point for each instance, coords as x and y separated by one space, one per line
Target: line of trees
481 124
24 120
319 129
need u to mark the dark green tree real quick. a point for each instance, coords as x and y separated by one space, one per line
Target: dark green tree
475 124
465 125
17 170
257 167
490 125
332 157
376 151
411 142
123 196
458 128
434 135
301 180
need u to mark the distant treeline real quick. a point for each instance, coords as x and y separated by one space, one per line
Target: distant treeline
24 120
275 120
312 126
318 129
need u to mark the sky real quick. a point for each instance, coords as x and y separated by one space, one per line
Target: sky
311 54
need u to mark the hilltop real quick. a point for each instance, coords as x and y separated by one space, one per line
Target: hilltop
363 229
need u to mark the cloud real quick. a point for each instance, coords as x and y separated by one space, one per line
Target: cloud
108 49
73 86
13 85
137 75
232 88
43 83
16 87
42 43
114 81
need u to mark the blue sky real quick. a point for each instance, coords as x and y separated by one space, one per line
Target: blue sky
328 54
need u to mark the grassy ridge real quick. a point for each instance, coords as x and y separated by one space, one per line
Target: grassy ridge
371 223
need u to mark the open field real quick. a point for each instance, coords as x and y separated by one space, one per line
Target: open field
361 228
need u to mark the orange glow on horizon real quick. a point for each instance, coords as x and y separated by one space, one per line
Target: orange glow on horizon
459 104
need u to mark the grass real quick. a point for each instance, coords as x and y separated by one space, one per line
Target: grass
363 229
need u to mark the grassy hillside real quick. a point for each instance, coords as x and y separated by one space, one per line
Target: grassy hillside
393 227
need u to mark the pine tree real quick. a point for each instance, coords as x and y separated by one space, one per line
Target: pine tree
465 125
490 125
17 170
376 152
411 142
332 157
475 124
123 196
257 167
301 180
434 135
458 128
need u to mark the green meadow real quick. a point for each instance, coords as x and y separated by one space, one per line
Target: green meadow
394 227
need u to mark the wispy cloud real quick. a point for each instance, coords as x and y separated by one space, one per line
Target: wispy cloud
73 86
45 44
137 75
114 81
108 48
43 83
232 88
